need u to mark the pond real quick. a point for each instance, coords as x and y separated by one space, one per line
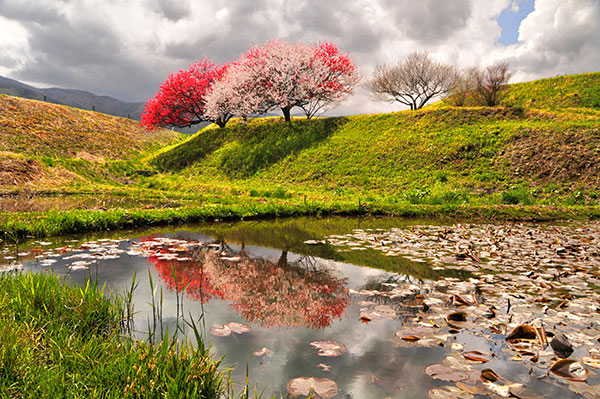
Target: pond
363 307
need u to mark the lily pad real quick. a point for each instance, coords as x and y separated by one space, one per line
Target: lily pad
262 352
570 369
561 346
239 328
448 392
442 372
522 331
303 386
329 348
227 329
220 331
476 356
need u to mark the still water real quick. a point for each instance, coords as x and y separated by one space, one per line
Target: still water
294 282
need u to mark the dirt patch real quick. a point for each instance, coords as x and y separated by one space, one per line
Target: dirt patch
16 171
569 156
89 157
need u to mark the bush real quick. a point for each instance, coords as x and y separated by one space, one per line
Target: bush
516 196
416 196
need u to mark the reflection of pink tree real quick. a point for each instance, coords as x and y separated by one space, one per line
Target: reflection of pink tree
279 294
272 294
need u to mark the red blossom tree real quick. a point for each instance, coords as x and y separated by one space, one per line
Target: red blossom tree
181 99
333 78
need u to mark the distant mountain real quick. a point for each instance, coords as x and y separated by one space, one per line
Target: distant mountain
90 101
82 100
15 88
73 98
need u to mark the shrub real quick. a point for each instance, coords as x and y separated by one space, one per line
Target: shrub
516 196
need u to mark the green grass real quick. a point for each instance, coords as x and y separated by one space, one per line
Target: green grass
570 91
433 156
16 227
440 160
62 341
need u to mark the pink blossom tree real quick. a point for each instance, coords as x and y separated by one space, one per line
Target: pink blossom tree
284 75
181 99
233 95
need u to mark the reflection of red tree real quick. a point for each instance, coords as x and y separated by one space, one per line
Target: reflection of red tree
272 294
185 274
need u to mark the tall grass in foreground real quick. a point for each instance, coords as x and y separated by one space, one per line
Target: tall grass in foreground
64 341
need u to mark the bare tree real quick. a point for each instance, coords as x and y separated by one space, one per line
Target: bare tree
461 92
413 81
489 83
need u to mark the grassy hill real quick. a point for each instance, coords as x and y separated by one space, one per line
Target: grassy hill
39 140
560 92
515 154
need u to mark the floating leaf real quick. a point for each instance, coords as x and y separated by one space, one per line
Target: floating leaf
448 392
466 300
457 316
489 375
570 369
442 372
561 346
262 352
411 338
238 328
385 312
476 356
501 390
522 331
303 386
220 331
324 367
591 362
329 348
473 389
227 329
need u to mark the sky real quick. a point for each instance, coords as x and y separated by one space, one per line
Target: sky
127 49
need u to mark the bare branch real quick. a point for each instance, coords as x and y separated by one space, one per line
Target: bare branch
413 81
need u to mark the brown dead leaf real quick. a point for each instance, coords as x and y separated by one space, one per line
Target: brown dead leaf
570 369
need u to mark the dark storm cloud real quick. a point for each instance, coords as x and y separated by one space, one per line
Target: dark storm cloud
339 21
8 61
246 24
430 21
32 12
126 49
173 10
80 55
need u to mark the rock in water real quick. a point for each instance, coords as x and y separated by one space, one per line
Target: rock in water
561 346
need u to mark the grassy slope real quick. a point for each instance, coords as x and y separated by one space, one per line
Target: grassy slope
44 143
458 162
437 156
560 92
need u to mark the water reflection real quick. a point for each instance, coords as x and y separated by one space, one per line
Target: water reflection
273 293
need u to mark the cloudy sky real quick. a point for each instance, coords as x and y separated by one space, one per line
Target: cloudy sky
126 49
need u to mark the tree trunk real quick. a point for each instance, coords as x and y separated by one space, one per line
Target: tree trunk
221 123
282 259
286 113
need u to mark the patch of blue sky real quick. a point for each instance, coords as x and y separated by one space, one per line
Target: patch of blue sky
510 20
